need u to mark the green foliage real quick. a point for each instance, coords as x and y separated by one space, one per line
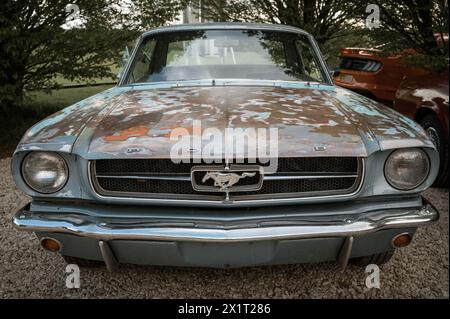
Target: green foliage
420 25
335 24
147 14
39 44
36 107
358 39
38 47
325 19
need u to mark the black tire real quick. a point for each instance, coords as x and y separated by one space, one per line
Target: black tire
434 130
85 263
377 259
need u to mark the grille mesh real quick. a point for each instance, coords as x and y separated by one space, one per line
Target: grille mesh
303 186
129 177
184 187
285 165
127 185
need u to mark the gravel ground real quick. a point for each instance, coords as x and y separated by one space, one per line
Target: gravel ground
27 271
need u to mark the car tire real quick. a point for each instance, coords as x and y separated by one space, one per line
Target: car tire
434 130
85 263
377 259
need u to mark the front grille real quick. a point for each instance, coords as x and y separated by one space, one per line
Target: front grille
285 165
161 178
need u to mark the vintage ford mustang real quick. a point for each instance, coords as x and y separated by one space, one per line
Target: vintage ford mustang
225 145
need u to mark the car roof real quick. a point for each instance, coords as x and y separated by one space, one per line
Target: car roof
225 26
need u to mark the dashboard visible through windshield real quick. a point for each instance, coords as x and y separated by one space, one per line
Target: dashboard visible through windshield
225 54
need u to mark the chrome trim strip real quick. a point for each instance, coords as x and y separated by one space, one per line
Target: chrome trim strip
224 203
152 177
126 70
188 178
334 226
225 26
288 177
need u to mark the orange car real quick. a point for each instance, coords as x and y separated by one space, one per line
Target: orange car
368 73
425 100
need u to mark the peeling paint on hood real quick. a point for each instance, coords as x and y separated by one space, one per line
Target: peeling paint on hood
111 123
59 131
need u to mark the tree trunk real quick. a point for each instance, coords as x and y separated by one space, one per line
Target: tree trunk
425 25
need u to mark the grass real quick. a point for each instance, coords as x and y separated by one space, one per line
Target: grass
114 68
38 106
61 98
106 80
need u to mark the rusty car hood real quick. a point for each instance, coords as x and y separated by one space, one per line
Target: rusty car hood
137 122
59 131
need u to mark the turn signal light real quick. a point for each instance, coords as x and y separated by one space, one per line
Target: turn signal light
401 240
50 244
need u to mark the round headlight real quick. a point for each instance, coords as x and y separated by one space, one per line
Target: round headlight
44 172
406 169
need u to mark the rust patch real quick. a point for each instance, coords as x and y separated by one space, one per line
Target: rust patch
112 122
303 117
127 133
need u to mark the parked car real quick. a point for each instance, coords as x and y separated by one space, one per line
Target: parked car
425 100
107 186
368 72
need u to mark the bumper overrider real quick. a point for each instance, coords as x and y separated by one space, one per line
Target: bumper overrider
216 244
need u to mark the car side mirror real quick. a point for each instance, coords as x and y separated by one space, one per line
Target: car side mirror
123 63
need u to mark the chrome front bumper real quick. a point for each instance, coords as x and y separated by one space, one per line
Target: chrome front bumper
351 225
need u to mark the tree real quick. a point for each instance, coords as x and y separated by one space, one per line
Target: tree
334 23
324 19
421 25
37 45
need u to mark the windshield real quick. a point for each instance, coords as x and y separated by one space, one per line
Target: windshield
225 54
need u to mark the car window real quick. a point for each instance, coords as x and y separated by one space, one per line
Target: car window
215 54
223 52
143 61
308 60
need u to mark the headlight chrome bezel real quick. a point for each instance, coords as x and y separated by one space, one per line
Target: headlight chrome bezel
30 184
422 180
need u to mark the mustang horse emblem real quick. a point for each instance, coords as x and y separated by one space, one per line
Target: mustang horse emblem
225 180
